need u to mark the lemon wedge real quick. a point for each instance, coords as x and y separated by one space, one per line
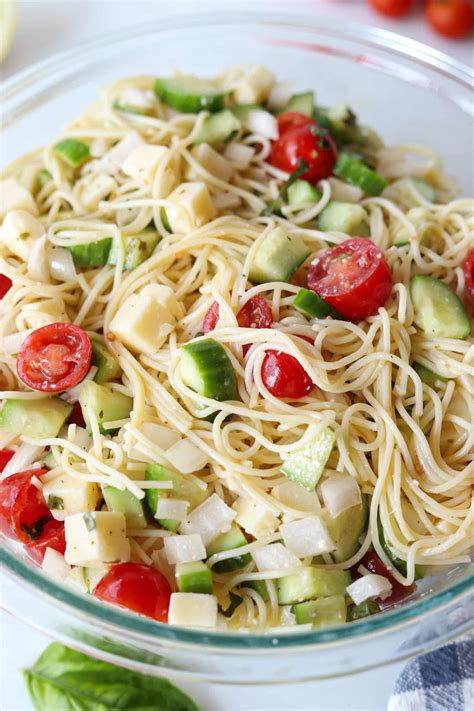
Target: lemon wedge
8 20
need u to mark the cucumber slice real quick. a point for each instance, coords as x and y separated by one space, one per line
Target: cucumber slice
278 257
438 310
309 583
347 529
128 504
107 365
219 128
234 538
44 177
48 460
302 192
341 217
399 564
92 254
107 405
259 586
72 152
183 488
364 609
137 248
314 305
129 109
194 577
40 419
302 103
242 111
206 369
428 376
305 466
189 94
359 175
323 612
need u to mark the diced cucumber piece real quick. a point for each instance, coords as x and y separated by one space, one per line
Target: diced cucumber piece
302 192
242 111
107 365
137 248
314 305
259 586
91 254
233 538
364 609
438 310
341 217
399 564
321 116
106 405
403 187
183 488
194 577
129 109
306 465
428 376
347 529
219 128
128 504
44 177
309 583
359 175
189 94
206 369
344 127
164 219
323 612
48 460
72 151
278 257
34 418
302 103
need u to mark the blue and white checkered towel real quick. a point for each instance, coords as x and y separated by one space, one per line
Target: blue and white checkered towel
442 680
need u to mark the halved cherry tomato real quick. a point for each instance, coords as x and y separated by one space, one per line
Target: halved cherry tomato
308 142
469 273
256 313
53 536
283 376
354 277
293 119
373 563
392 8
138 588
23 511
211 318
451 18
5 456
5 284
55 357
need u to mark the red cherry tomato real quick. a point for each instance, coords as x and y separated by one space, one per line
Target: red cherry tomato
373 563
5 456
53 536
451 18
392 8
211 318
5 284
255 314
138 588
293 119
283 376
76 417
308 142
353 277
55 357
23 511
469 273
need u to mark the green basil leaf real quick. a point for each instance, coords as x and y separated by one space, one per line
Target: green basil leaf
65 680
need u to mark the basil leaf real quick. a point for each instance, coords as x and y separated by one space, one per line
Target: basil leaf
235 601
65 680
274 206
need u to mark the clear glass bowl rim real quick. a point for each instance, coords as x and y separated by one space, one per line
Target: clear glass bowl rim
135 626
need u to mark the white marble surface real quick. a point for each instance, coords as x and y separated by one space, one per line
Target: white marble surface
45 28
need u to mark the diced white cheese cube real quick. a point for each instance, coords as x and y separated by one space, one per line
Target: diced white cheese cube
189 206
249 83
184 549
209 519
137 98
142 323
186 457
143 162
368 587
95 189
340 492
13 196
166 297
192 610
239 154
253 517
211 161
121 151
71 495
274 557
19 232
95 538
308 536
55 565
175 509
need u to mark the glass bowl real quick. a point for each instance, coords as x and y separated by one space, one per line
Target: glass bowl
409 93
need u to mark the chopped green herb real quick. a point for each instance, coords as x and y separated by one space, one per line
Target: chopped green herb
275 205
55 502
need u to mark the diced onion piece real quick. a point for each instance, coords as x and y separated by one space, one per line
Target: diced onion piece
294 496
287 616
239 154
61 265
262 123
280 95
184 549
25 455
37 266
55 565
163 437
274 557
171 508
11 344
368 587
192 610
186 457
344 192
308 536
226 201
209 519
340 492
81 438
72 395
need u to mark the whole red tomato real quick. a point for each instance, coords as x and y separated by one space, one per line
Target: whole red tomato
392 8
451 18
